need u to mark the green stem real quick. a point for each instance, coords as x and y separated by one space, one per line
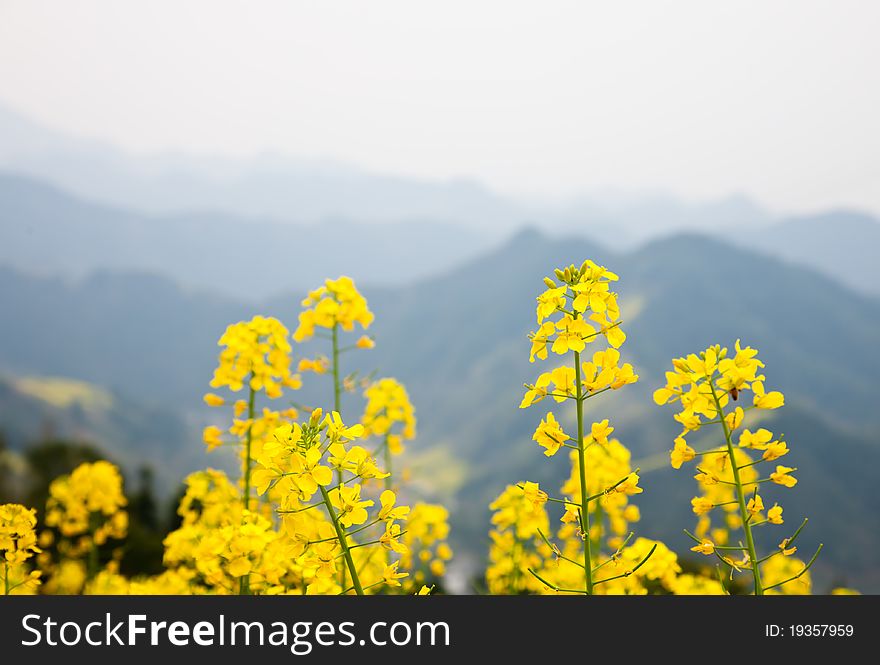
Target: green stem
803 570
247 451
553 586
343 543
740 495
388 483
585 507
337 400
244 583
336 386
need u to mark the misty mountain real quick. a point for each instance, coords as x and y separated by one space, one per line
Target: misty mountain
77 205
270 186
843 244
46 231
309 192
458 341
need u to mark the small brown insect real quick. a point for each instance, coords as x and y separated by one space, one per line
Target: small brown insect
734 393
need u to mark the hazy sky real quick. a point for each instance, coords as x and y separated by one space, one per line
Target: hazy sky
780 100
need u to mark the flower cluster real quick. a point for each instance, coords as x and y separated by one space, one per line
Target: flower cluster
299 467
388 413
578 311
337 303
705 385
426 541
256 354
18 543
516 547
89 502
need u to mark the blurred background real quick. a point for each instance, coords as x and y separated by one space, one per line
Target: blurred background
169 168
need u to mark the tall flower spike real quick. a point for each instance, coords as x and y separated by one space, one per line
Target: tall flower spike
705 385
575 313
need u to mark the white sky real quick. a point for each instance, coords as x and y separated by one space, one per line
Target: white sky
779 100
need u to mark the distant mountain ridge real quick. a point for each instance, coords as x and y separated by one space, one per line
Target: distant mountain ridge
46 231
842 243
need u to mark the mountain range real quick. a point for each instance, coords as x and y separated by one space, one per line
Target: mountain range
237 226
458 341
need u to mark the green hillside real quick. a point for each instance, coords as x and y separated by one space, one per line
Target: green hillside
36 409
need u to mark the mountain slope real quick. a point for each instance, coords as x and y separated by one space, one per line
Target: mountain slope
279 188
842 244
40 408
48 231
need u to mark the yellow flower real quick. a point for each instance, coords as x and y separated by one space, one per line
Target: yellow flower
211 437
322 555
310 472
706 478
256 353
540 338
352 510
389 511
681 453
425 590
261 479
319 365
572 335
734 418
774 515
337 302
629 486
18 538
785 549
550 435
88 501
600 431
550 301
771 400
365 342
755 505
705 546
389 412
781 476
537 392
213 400
337 431
240 427
390 539
390 574
758 440
534 494
240 567
701 505
775 450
